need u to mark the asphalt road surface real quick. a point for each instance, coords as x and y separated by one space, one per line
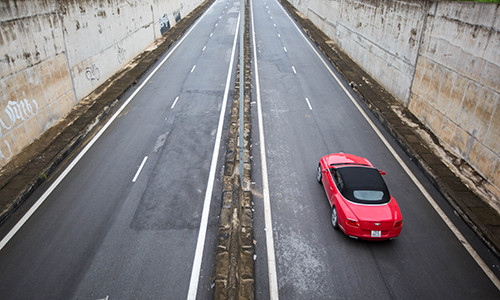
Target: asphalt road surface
306 114
123 226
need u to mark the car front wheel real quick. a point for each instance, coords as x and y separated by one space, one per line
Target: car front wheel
335 218
319 175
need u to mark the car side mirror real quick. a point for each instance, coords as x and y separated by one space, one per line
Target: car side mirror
381 172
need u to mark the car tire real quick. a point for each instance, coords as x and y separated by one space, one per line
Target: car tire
335 218
319 176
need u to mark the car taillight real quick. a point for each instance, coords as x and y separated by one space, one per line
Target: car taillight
352 222
398 224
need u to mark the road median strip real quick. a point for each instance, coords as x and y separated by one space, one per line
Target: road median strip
234 266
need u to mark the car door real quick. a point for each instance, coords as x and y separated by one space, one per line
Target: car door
331 189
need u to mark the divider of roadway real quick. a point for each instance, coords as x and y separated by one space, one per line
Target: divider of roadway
234 264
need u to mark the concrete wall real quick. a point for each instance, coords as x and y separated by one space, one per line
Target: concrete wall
440 58
54 53
456 88
380 35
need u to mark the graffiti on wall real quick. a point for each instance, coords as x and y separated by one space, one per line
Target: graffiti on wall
177 15
93 74
15 111
122 54
164 24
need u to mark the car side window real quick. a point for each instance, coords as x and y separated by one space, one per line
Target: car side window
331 175
335 175
340 182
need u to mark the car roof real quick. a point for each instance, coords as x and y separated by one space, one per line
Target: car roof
362 178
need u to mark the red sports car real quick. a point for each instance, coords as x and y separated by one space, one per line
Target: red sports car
361 204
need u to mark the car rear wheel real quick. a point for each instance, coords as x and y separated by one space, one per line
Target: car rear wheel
319 175
335 218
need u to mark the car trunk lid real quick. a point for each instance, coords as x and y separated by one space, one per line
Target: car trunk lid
374 217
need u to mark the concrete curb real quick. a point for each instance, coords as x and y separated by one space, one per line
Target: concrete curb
29 169
234 263
479 215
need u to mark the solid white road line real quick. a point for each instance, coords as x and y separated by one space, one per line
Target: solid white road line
200 244
422 189
61 177
140 169
271 260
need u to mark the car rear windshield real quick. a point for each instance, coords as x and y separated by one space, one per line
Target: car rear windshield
363 185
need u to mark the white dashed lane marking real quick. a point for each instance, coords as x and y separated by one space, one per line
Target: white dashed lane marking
140 169
175 102
309 104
